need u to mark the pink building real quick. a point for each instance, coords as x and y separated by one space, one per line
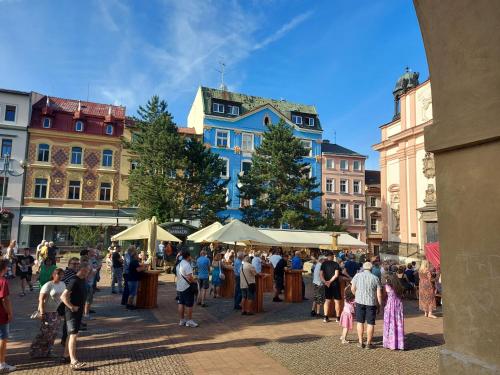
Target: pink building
343 174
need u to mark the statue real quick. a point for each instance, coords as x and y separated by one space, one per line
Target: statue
430 195
429 168
395 219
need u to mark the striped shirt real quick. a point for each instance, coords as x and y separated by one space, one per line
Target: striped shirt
366 285
69 275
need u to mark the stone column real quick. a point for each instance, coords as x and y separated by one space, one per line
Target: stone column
462 41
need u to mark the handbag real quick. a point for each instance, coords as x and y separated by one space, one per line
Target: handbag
221 272
193 287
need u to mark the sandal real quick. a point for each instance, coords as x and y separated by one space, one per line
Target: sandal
77 366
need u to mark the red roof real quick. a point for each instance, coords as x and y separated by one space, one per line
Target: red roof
191 131
87 108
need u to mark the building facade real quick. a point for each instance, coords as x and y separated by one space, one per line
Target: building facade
408 186
73 173
373 211
343 180
232 125
15 111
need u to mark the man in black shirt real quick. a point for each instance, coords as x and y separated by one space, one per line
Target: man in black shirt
116 270
24 265
279 277
329 274
74 298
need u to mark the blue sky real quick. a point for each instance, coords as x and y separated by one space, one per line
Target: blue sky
342 56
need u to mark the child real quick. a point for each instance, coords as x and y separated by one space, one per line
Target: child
393 314
346 318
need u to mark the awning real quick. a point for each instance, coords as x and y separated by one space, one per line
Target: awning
76 220
312 239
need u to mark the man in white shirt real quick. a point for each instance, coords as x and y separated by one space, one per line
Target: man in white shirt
275 258
257 262
185 278
319 288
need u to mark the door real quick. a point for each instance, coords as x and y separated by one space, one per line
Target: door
36 235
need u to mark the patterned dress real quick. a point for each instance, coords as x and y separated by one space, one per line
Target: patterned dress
394 332
44 340
426 295
346 318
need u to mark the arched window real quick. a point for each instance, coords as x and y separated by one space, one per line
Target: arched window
76 155
107 158
47 122
109 129
43 152
79 126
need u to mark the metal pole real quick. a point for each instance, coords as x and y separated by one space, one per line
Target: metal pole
4 173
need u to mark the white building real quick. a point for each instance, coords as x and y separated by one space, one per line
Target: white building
15 110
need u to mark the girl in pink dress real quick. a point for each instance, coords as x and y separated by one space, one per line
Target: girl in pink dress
394 333
346 318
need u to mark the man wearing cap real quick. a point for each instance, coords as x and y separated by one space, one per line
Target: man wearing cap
368 291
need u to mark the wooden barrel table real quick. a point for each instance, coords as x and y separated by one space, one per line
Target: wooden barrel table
293 285
227 286
258 303
268 281
147 293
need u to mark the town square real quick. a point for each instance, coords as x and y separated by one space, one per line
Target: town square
233 187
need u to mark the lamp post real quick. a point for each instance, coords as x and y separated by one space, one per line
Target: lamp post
8 170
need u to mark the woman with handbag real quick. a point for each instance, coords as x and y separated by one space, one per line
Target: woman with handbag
50 318
248 287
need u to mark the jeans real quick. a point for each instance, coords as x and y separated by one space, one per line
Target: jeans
125 289
117 277
237 292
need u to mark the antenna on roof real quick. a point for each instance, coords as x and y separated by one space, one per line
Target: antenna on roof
222 69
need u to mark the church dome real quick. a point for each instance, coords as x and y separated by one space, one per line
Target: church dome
406 82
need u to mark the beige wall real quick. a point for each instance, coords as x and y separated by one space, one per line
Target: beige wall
196 114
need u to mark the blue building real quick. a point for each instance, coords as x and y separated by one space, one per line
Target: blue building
232 125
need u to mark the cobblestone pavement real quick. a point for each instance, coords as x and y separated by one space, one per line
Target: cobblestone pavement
282 340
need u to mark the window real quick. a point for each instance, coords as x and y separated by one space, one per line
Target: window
356 187
6 147
343 210
107 158
373 201
344 165
225 171
222 138
344 186
245 166
247 142
43 152
373 224
218 108
297 119
310 121
4 186
76 155
10 113
233 110
330 164
74 190
330 211
356 165
357 212
105 191
79 126
308 146
109 129
133 165
47 122
329 185
41 187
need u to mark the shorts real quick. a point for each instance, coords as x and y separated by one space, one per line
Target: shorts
279 283
73 320
333 292
25 275
132 288
90 294
203 284
186 298
366 314
248 293
319 294
4 331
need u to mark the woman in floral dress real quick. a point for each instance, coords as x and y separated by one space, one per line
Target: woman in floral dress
394 332
426 294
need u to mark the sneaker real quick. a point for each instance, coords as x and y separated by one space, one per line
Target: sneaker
326 319
7 368
343 341
191 323
182 322
337 319
313 313
368 346
359 345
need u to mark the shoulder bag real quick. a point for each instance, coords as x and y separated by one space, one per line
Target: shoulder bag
193 287
221 271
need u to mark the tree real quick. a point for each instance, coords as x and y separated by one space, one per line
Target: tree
86 236
158 150
278 183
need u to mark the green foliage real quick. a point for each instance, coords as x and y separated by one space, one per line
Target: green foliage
86 236
175 177
278 182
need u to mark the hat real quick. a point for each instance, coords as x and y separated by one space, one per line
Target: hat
321 257
367 266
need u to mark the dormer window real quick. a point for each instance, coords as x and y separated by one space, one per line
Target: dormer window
310 121
109 129
218 108
47 123
233 110
79 126
297 119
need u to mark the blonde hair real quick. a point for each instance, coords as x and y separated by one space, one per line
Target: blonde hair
424 266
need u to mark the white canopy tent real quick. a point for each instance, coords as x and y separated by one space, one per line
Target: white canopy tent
313 239
203 234
238 232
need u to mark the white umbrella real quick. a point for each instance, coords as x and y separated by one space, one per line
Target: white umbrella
236 231
202 234
142 231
